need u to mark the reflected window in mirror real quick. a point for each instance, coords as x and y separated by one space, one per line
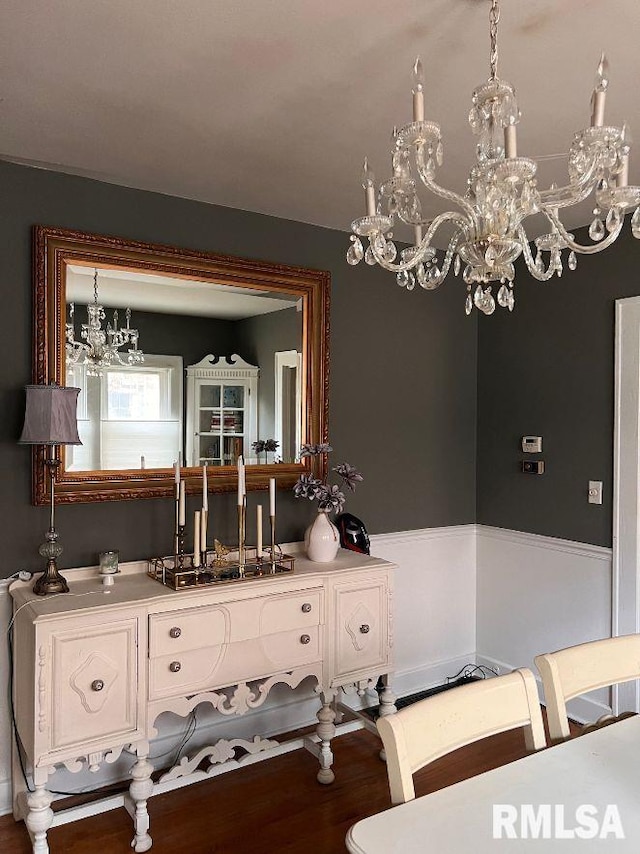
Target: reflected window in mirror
129 416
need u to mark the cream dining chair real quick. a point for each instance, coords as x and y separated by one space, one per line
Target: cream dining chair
428 729
570 672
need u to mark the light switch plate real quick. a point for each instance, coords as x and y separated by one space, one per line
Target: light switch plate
595 492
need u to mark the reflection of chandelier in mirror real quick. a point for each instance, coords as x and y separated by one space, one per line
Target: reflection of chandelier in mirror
501 193
102 346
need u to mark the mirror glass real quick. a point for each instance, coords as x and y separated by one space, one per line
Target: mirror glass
191 355
204 370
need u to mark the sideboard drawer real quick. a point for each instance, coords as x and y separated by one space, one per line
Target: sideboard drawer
191 628
291 611
94 674
217 667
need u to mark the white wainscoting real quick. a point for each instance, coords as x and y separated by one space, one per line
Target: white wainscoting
463 594
434 636
537 594
434 603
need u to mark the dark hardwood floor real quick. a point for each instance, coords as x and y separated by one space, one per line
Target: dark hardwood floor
272 806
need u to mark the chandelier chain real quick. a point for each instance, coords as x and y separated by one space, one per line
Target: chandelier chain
95 287
494 17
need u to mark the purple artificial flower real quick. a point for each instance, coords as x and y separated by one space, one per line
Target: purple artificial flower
315 450
350 475
307 486
330 498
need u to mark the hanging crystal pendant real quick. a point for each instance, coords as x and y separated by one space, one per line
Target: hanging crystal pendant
468 306
635 223
355 252
439 153
402 278
572 261
456 266
412 282
613 219
503 296
421 275
369 257
511 301
596 229
390 251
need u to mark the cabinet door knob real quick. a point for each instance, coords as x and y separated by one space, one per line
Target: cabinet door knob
306 608
175 666
364 628
97 685
305 639
175 632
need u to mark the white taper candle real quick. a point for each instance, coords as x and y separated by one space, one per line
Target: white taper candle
259 530
272 496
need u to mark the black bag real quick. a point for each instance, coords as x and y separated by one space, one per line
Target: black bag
353 534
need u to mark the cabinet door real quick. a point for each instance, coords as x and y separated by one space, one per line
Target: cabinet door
94 679
361 627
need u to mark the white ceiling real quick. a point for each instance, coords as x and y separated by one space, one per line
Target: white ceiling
270 105
166 295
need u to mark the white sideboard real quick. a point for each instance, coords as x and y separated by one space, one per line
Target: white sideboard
94 668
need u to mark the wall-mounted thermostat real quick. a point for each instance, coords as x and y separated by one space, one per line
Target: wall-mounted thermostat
532 444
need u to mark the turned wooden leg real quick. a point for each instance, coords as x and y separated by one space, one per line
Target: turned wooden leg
40 815
386 697
140 791
326 731
387 701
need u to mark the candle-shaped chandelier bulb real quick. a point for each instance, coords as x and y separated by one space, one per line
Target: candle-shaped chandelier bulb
418 91
369 186
600 92
602 74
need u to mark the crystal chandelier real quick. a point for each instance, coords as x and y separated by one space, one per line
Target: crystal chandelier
502 191
99 348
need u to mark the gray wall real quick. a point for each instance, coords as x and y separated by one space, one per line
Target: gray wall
548 369
403 372
261 337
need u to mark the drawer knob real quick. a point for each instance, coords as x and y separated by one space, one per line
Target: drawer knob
175 666
306 608
97 685
175 632
364 628
305 639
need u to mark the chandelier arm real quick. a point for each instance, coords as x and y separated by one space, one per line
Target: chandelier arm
541 276
446 264
449 195
570 194
426 241
593 248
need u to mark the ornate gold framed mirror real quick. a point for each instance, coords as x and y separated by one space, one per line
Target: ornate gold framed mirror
178 352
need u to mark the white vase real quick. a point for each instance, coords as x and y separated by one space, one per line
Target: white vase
322 539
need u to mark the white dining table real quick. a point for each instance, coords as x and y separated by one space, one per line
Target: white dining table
597 774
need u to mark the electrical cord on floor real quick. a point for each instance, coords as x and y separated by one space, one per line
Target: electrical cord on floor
469 670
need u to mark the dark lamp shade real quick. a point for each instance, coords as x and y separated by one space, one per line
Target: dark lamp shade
50 416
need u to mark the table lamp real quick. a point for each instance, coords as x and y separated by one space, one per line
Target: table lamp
50 419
